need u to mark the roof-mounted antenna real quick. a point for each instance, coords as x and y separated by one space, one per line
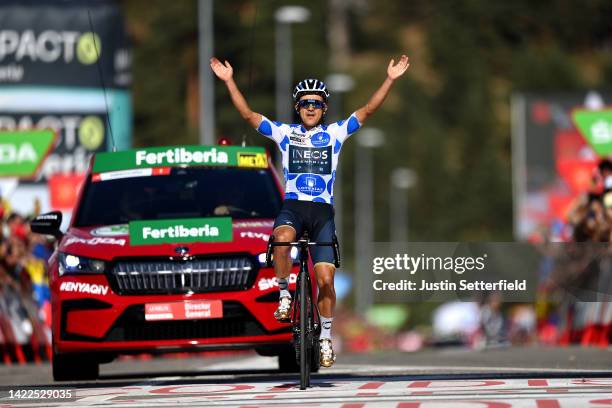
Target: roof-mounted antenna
95 44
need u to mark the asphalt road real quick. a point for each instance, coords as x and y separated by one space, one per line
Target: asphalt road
511 377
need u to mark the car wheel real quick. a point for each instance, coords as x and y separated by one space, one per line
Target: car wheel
74 367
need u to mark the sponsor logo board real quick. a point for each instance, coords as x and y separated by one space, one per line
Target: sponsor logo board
123 174
235 156
310 184
320 139
95 241
78 136
188 310
152 232
255 160
270 283
81 287
596 127
251 234
43 44
298 140
310 160
111 230
23 151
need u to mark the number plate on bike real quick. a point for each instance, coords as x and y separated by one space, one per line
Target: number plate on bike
187 310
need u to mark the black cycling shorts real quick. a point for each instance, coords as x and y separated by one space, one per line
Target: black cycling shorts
315 218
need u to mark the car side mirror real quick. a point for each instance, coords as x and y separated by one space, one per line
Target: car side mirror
48 224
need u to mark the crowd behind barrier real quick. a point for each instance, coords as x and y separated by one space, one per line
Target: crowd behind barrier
583 317
25 309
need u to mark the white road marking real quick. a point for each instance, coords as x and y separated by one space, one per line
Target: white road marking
332 393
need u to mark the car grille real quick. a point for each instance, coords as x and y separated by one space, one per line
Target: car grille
168 277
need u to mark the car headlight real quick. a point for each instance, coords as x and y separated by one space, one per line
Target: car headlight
78 264
294 257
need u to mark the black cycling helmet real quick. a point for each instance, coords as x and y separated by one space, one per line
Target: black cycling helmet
310 86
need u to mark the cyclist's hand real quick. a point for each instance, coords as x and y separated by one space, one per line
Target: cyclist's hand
224 72
394 71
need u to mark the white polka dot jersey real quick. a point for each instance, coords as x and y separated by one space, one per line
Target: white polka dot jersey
309 157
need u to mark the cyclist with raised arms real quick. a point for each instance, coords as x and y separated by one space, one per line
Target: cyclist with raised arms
310 152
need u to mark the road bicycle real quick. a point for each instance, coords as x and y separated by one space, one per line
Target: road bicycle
305 322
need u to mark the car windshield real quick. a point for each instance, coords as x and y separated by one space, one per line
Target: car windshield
185 193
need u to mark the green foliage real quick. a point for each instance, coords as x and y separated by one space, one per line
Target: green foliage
164 34
448 118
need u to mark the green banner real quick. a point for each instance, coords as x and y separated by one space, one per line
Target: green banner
152 232
23 151
235 156
596 127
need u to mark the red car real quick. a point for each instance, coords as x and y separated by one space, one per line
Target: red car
166 252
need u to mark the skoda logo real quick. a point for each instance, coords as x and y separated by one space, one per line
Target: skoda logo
181 250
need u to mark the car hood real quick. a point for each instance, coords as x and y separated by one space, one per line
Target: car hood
113 241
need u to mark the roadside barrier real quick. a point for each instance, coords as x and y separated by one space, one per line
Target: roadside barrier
591 328
588 324
598 331
606 330
23 336
13 350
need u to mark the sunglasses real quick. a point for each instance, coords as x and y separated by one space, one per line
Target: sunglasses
304 103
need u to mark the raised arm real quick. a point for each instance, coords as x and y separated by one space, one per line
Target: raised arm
394 71
226 74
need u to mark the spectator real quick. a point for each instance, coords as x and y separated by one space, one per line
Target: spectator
24 291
